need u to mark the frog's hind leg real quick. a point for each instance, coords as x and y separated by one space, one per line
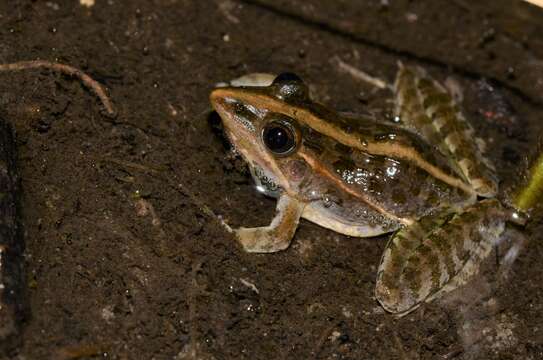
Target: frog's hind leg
391 290
436 255
426 107
279 233
472 266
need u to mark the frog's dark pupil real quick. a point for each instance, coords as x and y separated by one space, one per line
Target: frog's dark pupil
278 138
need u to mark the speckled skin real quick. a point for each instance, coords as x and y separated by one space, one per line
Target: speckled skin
398 185
363 176
425 107
437 254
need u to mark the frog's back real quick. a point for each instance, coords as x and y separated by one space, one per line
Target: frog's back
387 168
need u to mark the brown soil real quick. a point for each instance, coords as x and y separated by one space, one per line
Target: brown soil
124 253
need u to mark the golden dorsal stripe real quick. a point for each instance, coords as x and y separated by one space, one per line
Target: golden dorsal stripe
314 163
263 101
389 149
399 151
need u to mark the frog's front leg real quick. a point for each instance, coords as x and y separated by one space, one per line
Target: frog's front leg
279 233
436 255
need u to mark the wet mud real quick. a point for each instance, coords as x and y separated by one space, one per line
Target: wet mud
125 254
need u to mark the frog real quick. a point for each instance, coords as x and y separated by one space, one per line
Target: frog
420 175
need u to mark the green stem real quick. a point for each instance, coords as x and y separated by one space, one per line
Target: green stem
528 195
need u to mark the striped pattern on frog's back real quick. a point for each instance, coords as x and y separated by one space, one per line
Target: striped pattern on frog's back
421 260
425 106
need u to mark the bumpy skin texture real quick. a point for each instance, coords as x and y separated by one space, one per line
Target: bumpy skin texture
425 106
364 176
437 254
441 251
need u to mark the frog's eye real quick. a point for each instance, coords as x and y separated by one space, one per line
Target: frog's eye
280 137
290 87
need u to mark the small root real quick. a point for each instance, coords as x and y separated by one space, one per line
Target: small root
79 351
129 164
67 70
360 75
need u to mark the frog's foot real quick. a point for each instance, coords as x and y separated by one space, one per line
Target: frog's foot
437 255
279 233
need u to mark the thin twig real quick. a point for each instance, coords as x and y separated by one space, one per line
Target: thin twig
68 70
203 207
360 75
133 165
79 351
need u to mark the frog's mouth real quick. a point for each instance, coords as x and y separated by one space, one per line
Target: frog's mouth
242 126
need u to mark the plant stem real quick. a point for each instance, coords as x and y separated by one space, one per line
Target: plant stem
528 195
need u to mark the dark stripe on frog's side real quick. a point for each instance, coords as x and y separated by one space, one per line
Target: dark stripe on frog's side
316 165
451 128
399 187
464 239
408 195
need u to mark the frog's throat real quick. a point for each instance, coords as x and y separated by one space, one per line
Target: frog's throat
377 148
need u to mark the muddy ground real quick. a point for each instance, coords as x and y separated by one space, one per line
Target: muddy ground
125 257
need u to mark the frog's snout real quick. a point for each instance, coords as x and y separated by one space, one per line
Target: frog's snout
216 98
